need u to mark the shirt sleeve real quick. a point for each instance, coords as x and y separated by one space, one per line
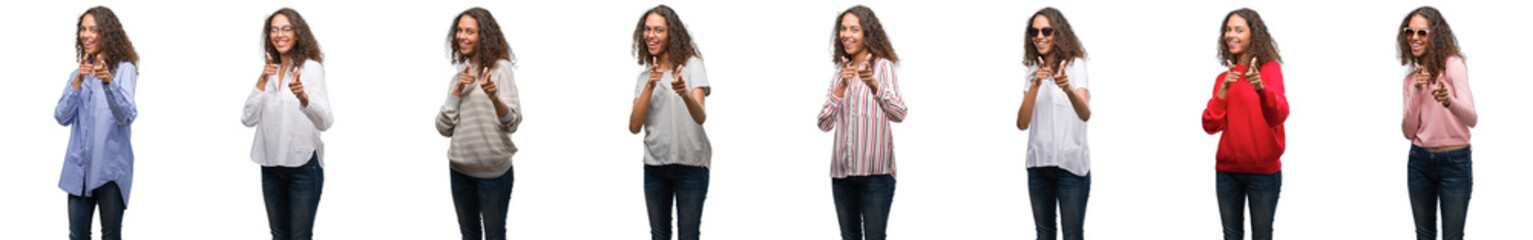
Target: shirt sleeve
119 94
508 94
447 117
1273 95
832 106
1213 114
1463 102
697 76
889 98
1410 122
68 108
314 85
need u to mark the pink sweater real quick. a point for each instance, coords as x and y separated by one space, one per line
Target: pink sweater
1427 123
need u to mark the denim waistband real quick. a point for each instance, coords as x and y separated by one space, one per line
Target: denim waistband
1450 153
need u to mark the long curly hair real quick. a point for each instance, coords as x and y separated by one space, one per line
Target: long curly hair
492 44
1066 45
1441 43
109 35
1263 47
873 36
678 45
304 45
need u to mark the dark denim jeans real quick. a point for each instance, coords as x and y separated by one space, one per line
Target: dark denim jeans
1445 177
481 198
687 186
1051 186
109 198
1261 189
292 198
862 205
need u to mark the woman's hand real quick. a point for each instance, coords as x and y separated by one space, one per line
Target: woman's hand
679 85
464 80
1254 75
1062 80
865 72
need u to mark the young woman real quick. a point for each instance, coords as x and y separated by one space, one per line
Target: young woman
864 99
1058 158
289 108
676 150
479 117
1439 111
99 109
1249 107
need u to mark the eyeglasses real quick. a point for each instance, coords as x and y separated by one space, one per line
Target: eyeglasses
282 29
1033 32
1416 32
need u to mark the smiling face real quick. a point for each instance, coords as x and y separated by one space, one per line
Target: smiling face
467 35
1042 40
89 34
851 34
1419 41
656 33
1237 35
282 33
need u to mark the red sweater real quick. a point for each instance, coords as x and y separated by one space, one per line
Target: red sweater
1252 122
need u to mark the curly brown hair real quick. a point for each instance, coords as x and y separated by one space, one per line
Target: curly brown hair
1262 47
492 44
678 45
1066 45
873 36
304 45
112 39
1441 43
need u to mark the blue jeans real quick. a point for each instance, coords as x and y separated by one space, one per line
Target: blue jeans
482 198
1261 189
688 187
862 205
109 198
1444 176
1050 186
292 198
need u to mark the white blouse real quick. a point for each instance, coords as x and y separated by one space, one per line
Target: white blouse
287 133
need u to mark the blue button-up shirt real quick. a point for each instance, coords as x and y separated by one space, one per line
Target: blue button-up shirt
99 116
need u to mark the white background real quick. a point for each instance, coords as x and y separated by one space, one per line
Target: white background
578 175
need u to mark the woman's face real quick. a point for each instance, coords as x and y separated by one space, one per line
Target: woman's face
1419 41
88 34
281 34
1042 34
851 34
656 33
468 35
1237 34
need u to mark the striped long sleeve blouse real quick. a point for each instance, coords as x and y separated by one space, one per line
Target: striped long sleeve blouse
864 144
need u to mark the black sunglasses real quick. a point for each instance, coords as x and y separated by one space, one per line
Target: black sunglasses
1033 32
1417 32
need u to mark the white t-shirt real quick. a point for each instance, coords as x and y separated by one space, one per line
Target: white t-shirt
1056 136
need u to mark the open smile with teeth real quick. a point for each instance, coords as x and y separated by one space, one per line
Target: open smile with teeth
1233 44
1041 44
848 44
282 43
1417 45
652 44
